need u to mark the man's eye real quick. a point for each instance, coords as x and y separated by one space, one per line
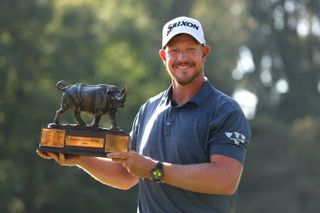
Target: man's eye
174 52
191 50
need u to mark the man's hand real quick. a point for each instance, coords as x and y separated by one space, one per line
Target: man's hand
138 165
61 159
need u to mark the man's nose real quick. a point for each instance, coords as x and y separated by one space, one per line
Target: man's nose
181 55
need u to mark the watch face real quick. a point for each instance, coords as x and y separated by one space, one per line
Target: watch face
156 174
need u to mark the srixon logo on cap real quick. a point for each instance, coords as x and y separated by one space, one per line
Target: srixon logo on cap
180 24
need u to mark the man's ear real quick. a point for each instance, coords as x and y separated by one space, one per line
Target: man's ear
205 52
162 55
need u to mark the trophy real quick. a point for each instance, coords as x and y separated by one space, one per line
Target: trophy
83 139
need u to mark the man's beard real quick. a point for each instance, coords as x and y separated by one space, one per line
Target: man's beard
188 80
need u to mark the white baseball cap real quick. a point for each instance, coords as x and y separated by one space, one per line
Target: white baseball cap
180 25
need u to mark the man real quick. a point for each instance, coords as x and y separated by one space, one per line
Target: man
187 143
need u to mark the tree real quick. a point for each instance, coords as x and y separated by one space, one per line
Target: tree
281 167
285 48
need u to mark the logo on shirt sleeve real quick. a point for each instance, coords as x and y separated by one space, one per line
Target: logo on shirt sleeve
236 137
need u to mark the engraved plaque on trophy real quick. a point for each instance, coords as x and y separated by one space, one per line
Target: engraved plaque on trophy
80 138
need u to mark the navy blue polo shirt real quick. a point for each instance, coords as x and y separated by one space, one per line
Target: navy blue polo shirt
210 123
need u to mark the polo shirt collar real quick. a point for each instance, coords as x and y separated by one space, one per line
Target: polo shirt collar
203 93
198 99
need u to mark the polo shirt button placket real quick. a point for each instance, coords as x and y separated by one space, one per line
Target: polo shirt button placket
168 123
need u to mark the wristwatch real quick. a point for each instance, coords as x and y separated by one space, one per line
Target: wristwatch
157 172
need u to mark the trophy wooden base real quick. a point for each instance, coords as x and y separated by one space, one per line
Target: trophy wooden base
76 140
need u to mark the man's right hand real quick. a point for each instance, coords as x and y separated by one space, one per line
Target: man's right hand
60 158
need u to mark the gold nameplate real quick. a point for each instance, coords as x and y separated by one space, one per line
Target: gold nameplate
53 137
117 143
84 141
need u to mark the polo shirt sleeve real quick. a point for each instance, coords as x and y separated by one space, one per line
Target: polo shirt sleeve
134 130
133 135
229 133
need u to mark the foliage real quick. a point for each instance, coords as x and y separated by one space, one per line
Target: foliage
285 48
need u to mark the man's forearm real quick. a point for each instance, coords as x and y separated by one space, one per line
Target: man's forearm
212 178
108 172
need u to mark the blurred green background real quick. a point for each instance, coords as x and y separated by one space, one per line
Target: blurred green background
266 54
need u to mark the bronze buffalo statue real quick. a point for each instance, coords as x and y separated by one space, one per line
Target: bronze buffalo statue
97 100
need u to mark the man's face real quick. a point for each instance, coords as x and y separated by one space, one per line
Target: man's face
184 57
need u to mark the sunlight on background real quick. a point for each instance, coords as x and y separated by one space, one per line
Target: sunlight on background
315 26
304 23
282 86
265 75
306 26
245 63
247 100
